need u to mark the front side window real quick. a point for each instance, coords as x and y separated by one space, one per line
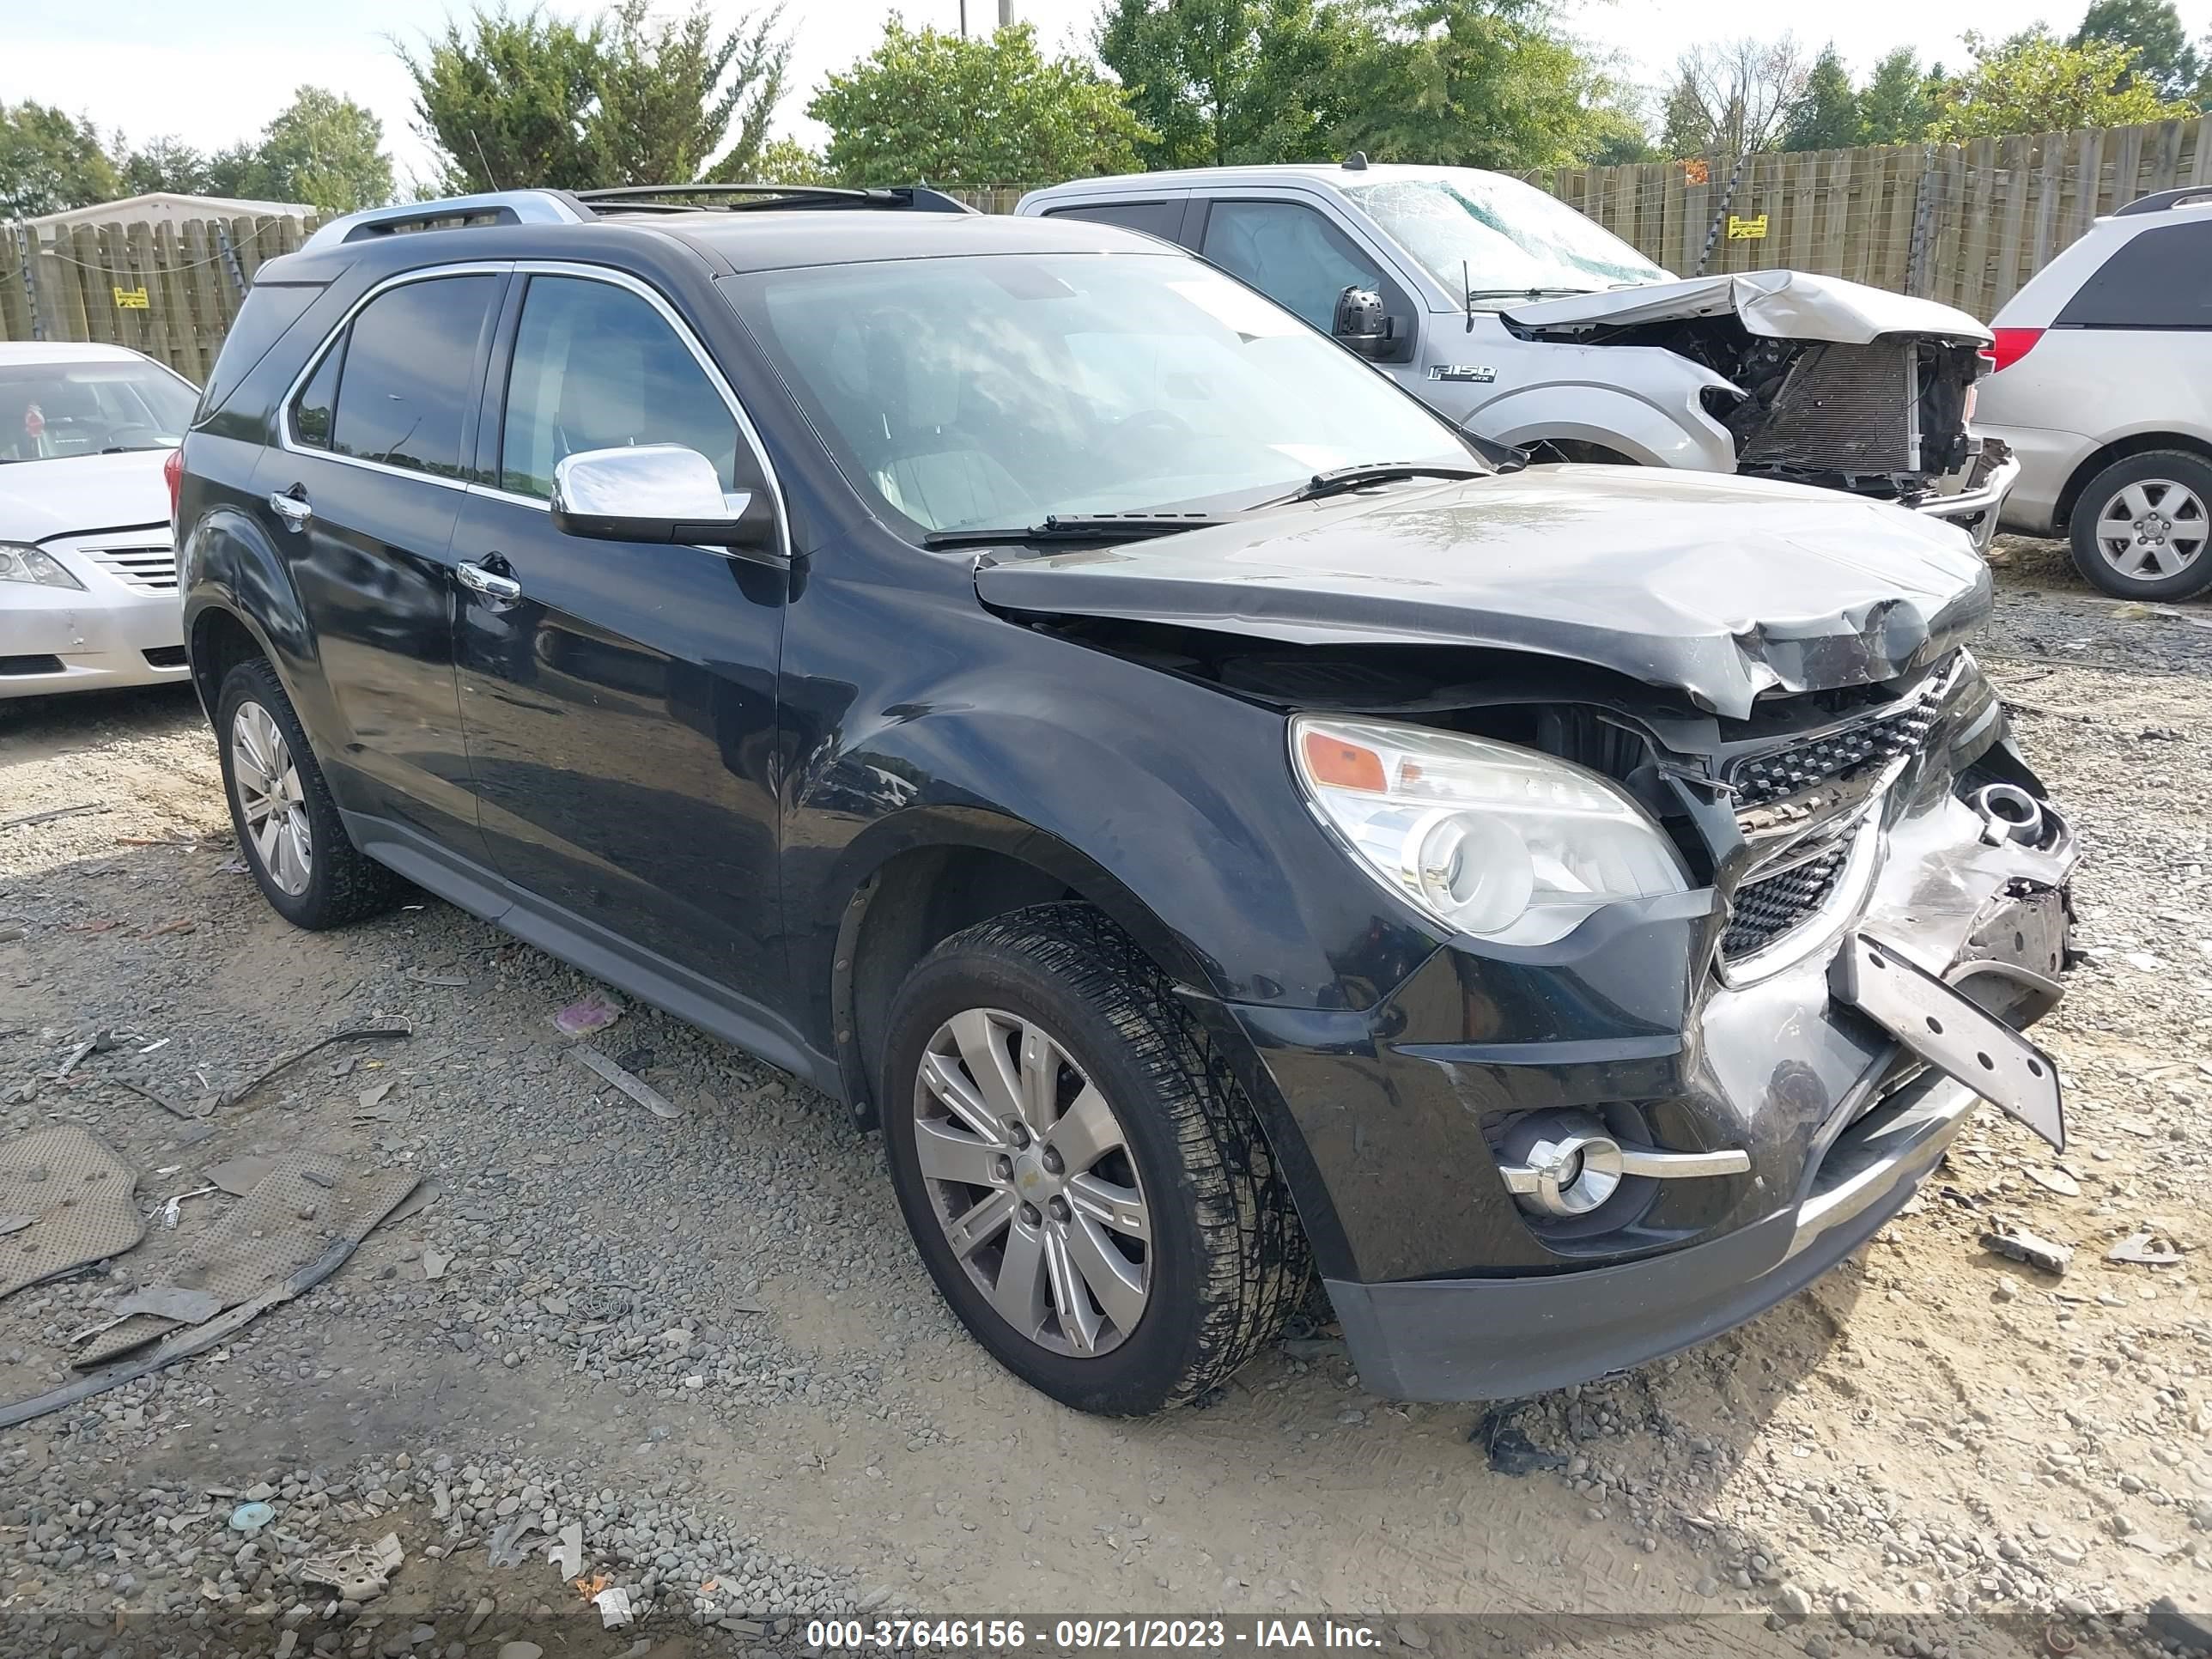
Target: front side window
598 368
1499 237
92 406
995 390
1290 253
407 381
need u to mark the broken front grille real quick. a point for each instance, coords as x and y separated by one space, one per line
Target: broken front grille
1878 738
1768 906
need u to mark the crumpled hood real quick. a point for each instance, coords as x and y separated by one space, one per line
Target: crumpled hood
1722 586
77 495
1784 305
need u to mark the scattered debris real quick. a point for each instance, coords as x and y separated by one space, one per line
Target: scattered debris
146 1093
613 1604
643 1093
1509 1449
169 1302
173 1212
248 1517
451 982
520 1650
239 1176
15 1223
233 865
174 925
567 1553
358 1574
435 1263
51 813
83 1200
2146 1250
505 1549
2020 1245
2053 1180
586 1015
370 1098
377 1031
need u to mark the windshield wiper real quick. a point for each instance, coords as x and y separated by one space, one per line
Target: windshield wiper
1343 478
1526 293
1080 527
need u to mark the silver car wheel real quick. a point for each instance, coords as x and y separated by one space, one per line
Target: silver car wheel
270 798
2153 529
1029 1172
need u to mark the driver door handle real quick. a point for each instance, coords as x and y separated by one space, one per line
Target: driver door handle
291 505
490 584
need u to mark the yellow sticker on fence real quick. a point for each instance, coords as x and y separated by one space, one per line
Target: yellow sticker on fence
134 298
1747 230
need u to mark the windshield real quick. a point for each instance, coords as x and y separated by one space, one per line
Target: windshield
1503 235
998 390
49 412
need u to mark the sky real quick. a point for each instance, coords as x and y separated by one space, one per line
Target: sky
213 73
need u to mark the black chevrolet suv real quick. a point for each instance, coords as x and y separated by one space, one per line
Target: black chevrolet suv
1221 824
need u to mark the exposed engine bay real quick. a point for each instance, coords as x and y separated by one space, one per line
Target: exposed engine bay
1886 418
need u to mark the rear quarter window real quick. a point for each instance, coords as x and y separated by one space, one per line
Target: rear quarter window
270 309
2161 278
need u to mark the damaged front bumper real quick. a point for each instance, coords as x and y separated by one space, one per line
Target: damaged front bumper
1974 507
1455 1291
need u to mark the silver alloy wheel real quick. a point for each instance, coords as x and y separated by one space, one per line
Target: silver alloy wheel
270 798
2153 529
1029 1173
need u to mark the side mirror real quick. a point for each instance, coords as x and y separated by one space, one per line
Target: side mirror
656 493
1362 323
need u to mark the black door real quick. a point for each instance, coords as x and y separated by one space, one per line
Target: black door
363 496
619 697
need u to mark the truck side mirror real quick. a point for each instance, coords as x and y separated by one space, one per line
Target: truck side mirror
1362 323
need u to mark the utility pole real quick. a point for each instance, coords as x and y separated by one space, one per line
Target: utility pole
1005 13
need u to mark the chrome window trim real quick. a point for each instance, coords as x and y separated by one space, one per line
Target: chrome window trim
424 274
674 318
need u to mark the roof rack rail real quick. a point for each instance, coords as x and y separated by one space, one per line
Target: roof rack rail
682 198
501 207
2159 200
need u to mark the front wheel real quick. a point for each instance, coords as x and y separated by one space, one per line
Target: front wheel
1082 1176
2139 528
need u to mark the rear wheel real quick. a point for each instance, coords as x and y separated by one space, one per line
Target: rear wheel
2141 527
1082 1176
288 828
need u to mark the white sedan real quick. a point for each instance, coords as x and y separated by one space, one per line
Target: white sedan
88 579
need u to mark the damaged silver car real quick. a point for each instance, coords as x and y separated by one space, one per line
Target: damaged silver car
1510 312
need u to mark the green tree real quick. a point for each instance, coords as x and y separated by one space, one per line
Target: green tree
782 161
944 110
2034 82
1897 105
1827 117
506 100
164 164
668 91
2153 28
51 160
325 150
1733 98
1484 83
1223 81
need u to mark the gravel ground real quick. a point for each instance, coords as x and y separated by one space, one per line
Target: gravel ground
707 1339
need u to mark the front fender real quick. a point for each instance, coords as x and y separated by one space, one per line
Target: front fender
1648 428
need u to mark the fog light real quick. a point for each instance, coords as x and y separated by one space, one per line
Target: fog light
1566 1163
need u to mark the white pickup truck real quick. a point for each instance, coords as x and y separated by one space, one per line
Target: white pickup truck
1530 324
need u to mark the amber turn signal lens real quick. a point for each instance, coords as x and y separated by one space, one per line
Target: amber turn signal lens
1344 765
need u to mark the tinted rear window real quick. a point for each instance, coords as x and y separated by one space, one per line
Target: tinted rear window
269 309
2155 280
1153 218
408 378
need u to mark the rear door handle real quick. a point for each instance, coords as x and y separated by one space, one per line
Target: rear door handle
291 505
492 586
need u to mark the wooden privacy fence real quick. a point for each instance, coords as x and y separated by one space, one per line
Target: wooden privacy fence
167 290
1966 224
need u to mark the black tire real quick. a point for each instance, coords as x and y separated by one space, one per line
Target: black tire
2193 473
342 885
1228 1263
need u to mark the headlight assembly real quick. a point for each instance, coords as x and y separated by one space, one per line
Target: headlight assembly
21 563
1488 839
